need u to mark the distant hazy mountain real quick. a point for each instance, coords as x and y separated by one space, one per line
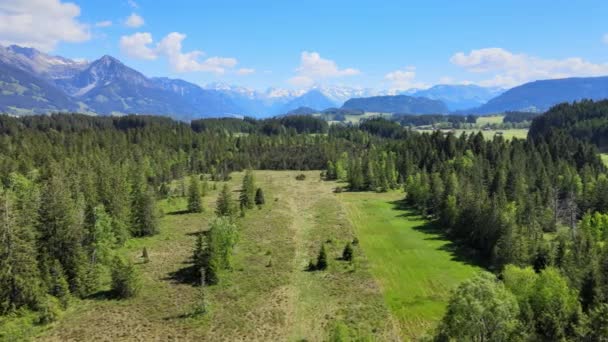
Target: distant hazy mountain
541 95
312 99
35 82
458 97
302 111
397 104
276 101
22 93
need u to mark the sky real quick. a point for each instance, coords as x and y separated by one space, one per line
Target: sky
394 45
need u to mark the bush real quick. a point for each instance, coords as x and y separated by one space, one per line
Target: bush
301 177
49 310
125 282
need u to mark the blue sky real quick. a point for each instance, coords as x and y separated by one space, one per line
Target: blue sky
297 44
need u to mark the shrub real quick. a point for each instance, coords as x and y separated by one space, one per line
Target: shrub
49 310
301 177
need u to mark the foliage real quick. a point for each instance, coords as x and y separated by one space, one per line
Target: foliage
125 280
481 309
224 205
195 204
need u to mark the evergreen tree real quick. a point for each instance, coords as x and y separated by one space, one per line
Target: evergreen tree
19 276
224 204
259 197
60 232
144 216
194 196
321 259
347 253
247 196
125 281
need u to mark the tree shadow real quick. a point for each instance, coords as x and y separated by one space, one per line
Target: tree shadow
457 249
103 295
179 212
184 275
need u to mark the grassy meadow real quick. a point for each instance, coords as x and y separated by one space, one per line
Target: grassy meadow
416 268
395 289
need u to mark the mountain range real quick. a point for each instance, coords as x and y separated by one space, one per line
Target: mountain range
34 82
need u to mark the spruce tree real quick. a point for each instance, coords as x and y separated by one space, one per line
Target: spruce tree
60 231
347 253
19 275
144 216
259 197
322 259
125 281
224 204
247 196
194 196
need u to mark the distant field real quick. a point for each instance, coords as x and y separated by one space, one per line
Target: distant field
494 119
506 133
605 158
415 267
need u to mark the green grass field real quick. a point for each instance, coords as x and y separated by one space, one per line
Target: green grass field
395 289
488 120
506 133
415 267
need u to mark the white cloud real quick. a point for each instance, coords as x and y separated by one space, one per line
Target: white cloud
105 23
314 68
245 71
132 4
509 69
136 46
140 45
404 79
41 24
605 38
134 21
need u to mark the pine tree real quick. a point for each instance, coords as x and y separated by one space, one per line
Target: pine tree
61 231
194 196
19 275
347 253
259 197
322 259
125 281
224 205
144 216
247 196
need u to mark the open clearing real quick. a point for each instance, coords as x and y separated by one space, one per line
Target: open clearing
516 133
268 296
396 288
489 120
416 268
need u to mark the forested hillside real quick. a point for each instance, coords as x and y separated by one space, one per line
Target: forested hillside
585 120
